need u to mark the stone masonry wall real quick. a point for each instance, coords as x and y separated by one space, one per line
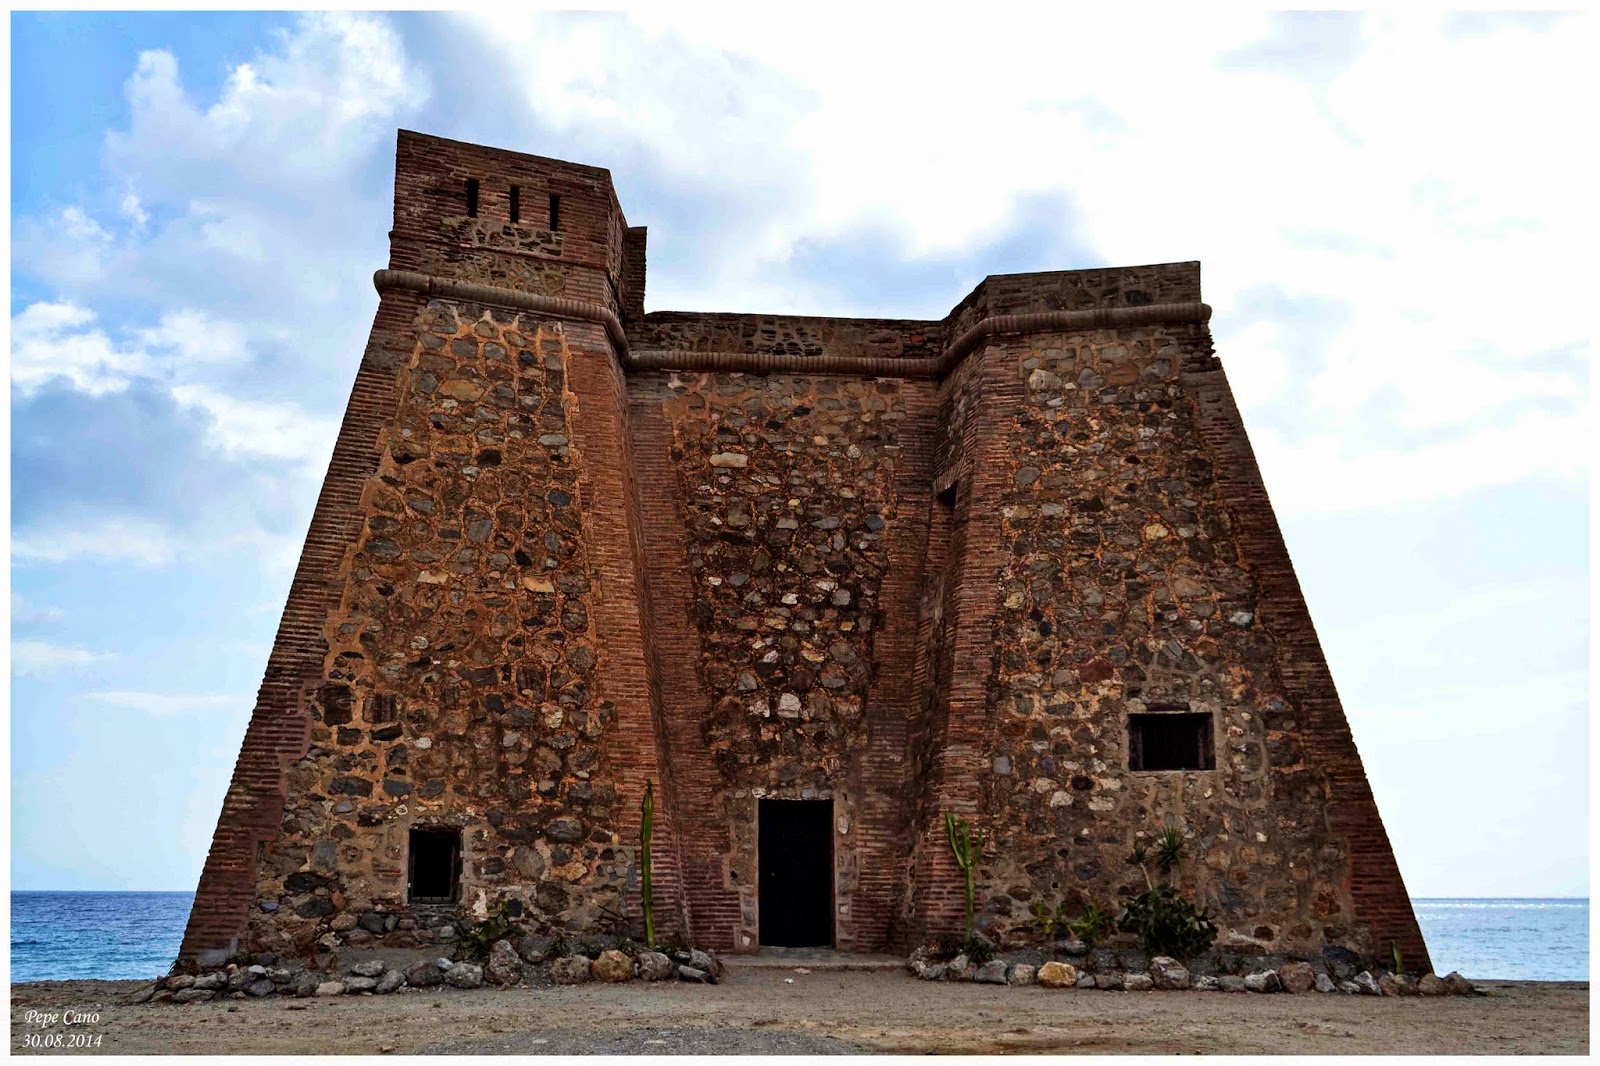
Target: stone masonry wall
786 487
462 685
886 338
535 582
1125 590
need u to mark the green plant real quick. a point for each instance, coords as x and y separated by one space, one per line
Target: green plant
1399 961
977 949
1169 850
558 949
647 896
1168 924
480 940
967 845
1093 925
1043 920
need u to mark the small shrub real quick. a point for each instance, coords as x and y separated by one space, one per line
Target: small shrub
1168 924
559 948
976 948
1094 925
478 941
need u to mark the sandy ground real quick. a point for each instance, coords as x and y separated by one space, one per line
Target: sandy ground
755 1010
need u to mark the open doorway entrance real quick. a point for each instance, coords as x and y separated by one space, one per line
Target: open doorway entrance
795 840
434 870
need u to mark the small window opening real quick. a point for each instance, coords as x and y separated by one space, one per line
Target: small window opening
516 204
472 197
435 866
555 211
1170 741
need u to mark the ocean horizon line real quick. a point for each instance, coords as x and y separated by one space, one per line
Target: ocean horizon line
190 891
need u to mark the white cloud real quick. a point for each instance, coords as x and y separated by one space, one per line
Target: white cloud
1329 470
56 342
191 338
244 428
164 703
314 107
26 612
107 538
38 658
133 210
77 226
1422 182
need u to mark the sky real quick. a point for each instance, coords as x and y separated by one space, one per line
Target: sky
1385 210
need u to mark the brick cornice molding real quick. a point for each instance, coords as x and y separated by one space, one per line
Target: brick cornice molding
433 286
1059 321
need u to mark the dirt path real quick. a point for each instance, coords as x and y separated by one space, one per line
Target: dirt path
755 1010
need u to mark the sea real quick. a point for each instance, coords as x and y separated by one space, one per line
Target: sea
129 935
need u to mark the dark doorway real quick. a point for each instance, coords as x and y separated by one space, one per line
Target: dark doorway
435 870
796 860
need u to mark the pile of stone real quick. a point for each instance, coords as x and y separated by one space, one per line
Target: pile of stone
534 960
1166 974
593 962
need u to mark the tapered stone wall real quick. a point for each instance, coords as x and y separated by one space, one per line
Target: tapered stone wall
906 568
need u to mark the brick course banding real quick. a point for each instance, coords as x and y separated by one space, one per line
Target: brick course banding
567 547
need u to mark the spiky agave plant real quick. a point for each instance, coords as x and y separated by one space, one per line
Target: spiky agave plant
1169 850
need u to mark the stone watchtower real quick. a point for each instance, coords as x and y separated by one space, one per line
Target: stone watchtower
820 580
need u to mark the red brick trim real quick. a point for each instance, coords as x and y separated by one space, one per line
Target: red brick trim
979 458
883 768
1375 886
620 608
279 733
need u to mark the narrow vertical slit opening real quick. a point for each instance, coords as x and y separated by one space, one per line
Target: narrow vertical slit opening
516 204
555 211
472 197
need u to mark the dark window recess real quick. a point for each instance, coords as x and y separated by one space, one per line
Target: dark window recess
555 211
516 204
795 863
435 865
1170 742
472 197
